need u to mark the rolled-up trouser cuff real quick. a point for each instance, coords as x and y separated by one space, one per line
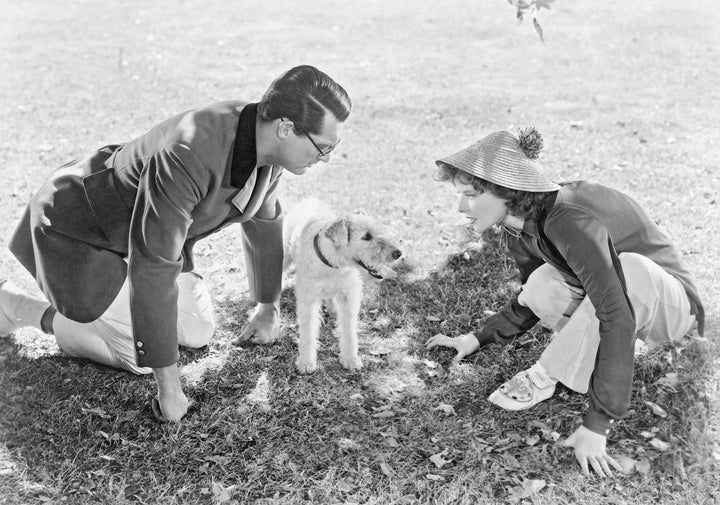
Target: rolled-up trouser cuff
262 242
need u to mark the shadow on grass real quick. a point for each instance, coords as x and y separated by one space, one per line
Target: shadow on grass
411 427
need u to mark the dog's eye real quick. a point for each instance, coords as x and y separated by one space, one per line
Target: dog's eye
367 236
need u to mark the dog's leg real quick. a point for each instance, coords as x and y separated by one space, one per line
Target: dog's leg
347 305
308 316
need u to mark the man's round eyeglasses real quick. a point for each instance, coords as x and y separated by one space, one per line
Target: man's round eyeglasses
321 153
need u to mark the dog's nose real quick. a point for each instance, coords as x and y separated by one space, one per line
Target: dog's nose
396 254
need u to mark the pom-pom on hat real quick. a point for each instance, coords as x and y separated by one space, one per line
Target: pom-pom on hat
505 159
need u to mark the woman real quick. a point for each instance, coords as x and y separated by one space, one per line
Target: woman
594 267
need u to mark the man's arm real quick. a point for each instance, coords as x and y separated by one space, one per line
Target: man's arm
169 189
262 243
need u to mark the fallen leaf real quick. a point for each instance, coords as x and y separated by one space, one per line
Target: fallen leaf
647 434
348 444
538 424
432 318
660 445
626 462
344 486
357 396
392 442
430 363
385 468
97 411
448 409
220 492
380 351
220 461
528 488
670 380
383 414
643 466
438 459
432 476
657 409
510 460
532 440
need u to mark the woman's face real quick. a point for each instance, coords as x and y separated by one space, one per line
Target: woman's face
482 207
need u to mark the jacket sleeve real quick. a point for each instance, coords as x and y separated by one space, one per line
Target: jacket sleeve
171 185
587 247
514 319
263 246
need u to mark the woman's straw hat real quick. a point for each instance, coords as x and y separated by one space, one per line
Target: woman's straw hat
505 159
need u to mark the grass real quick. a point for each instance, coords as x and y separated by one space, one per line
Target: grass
624 94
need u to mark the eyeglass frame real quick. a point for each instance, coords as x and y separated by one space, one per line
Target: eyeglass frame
321 154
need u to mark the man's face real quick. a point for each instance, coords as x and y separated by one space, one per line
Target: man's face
300 153
483 208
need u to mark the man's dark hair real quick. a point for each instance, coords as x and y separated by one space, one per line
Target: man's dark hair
525 204
303 94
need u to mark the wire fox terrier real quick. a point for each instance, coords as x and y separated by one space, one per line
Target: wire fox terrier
331 255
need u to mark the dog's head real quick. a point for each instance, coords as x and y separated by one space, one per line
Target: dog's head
362 241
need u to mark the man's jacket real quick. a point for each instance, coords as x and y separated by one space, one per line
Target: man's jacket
137 209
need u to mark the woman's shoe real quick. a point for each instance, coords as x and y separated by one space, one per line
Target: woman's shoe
520 392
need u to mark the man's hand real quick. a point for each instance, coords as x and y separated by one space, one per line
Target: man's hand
264 325
171 404
465 344
590 447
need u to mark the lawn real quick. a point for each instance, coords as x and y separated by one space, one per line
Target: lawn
625 93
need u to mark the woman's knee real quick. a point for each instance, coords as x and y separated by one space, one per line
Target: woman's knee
549 294
637 269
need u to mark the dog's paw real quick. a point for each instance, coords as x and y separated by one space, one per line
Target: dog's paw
352 362
305 366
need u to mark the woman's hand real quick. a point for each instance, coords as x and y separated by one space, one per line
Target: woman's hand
590 447
465 344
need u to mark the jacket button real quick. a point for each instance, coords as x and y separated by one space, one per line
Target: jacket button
141 353
139 344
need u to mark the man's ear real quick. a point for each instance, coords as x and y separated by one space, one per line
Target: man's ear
284 128
338 233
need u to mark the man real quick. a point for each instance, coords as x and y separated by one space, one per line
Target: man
109 237
595 268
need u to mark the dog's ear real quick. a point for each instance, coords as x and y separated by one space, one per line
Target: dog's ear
338 232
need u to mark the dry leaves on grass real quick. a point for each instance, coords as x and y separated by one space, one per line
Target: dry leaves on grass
439 459
657 409
526 489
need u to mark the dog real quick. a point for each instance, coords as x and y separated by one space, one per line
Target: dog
331 255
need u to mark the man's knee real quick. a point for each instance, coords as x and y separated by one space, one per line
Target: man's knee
196 317
197 329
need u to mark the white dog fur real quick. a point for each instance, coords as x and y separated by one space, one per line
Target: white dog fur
331 254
